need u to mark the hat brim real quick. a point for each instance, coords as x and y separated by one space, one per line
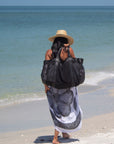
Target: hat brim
70 39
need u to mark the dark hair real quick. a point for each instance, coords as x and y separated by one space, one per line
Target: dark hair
57 44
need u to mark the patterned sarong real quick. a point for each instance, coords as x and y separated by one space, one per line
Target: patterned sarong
65 110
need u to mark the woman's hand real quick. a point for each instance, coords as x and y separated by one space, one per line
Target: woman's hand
65 48
46 88
64 52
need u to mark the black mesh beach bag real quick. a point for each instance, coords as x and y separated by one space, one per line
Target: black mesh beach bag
63 74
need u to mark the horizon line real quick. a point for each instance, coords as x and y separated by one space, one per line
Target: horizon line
64 5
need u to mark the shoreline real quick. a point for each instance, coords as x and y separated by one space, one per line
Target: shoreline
23 116
98 129
85 88
82 89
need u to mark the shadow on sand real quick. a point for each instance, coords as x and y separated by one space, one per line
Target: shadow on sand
48 139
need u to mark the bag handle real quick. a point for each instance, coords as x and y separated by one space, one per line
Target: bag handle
58 55
69 51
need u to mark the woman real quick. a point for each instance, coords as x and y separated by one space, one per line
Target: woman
63 103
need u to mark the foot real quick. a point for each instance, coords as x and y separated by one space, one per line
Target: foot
55 141
66 136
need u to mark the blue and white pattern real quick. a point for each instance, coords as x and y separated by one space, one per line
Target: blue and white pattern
65 110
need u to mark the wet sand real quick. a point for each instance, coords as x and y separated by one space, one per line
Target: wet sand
95 130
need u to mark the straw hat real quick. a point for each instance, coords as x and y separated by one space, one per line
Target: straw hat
62 33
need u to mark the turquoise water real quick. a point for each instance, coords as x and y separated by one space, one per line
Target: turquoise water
24 33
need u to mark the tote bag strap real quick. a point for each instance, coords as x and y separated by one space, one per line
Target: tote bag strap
58 55
69 52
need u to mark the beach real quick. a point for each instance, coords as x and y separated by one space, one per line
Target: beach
95 130
31 122
24 112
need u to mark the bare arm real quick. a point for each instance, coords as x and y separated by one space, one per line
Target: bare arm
48 54
72 52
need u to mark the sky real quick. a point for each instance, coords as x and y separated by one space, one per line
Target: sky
57 2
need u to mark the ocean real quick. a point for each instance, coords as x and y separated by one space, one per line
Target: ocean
24 33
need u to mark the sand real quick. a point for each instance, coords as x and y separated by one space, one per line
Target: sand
112 92
31 123
95 130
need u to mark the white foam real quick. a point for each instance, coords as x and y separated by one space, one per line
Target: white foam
21 98
93 78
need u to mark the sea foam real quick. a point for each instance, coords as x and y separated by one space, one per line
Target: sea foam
93 78
22 98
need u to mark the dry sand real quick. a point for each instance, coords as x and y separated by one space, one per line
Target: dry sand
112 92
95 130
